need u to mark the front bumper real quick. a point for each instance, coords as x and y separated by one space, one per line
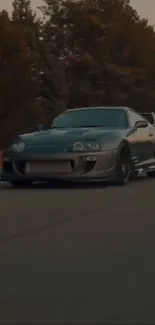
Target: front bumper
82 166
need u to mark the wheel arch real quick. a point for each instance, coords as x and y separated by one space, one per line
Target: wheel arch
124 146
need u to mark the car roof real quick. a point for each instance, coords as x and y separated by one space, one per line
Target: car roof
99 107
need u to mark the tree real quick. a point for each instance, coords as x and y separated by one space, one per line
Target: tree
103 45
90 52
22 13
51 74
18 80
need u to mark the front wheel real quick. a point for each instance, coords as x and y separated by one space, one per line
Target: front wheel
21 184
124 167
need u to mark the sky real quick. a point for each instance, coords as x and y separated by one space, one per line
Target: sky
146 8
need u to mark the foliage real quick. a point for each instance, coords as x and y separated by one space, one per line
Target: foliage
108 51
18 77
90 52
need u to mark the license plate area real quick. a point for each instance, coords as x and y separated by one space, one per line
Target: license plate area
48 167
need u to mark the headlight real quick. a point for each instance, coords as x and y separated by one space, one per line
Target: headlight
84 146
17 147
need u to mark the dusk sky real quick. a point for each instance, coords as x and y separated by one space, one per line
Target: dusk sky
146 8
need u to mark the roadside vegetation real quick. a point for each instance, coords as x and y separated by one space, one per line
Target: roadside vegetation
72 54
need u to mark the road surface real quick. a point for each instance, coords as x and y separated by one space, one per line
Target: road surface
81 255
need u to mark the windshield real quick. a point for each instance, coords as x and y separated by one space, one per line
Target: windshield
108 118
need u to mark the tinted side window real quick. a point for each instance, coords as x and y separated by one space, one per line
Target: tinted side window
134 117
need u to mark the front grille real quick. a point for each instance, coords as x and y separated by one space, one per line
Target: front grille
48 167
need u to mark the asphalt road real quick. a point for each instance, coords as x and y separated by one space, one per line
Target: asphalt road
78 255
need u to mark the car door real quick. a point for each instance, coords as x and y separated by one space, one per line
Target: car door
142 140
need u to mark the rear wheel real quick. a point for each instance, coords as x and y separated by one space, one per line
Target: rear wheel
124 167
21 184
151 174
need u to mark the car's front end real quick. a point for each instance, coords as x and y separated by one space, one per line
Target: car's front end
78 160
82 144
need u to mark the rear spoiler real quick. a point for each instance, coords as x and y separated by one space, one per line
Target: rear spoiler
150 117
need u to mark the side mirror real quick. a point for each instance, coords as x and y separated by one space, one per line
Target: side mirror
141 124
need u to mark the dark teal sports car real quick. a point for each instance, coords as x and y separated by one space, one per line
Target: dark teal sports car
94 143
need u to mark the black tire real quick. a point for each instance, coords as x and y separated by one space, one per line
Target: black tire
151 174
21 184
124 166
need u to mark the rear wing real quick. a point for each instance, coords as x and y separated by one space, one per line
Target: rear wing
150 117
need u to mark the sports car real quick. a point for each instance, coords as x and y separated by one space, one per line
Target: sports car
84 144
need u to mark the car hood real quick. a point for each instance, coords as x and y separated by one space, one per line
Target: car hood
65 136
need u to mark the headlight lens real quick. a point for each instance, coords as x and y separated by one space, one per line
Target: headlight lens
17 147
84 146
